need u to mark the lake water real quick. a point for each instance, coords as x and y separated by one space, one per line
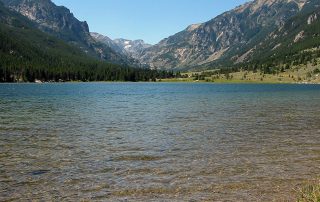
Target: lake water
157 141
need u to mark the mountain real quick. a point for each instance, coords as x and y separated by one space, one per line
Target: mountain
28 54
297 41
228 39
255 32
61 23
131 48
109 42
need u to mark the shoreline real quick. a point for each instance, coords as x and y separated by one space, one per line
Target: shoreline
173 81
241 82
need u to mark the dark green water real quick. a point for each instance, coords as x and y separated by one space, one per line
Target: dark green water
157 142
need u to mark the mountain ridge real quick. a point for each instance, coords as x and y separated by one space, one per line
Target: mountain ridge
220 41
236 37
28 54
61 23
130 48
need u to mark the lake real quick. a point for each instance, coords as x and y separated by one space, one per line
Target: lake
157 141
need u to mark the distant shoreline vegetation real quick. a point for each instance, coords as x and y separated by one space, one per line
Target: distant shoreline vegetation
89 73
28 55
117 73
301 74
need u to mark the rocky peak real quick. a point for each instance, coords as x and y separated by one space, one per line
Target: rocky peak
48 16
193 27
132 47
109 42
61 23
129 48
259 4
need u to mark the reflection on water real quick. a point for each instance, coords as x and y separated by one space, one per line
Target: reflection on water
160 142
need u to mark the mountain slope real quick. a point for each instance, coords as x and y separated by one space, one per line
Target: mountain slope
221 41
27 54
245 35
60 22
295 39
131 48
109 42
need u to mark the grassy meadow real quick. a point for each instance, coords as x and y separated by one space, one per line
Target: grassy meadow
297 74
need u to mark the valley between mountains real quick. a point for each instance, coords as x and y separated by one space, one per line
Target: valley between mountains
280 38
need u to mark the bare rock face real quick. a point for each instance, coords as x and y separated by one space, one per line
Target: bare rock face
299 37
56 20
222 38
312 18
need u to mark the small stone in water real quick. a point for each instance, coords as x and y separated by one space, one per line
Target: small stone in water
39 172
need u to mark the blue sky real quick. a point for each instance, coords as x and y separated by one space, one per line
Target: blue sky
150 20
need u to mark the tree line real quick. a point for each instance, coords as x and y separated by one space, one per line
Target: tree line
27 55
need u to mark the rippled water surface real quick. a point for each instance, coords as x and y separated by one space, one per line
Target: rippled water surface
157 142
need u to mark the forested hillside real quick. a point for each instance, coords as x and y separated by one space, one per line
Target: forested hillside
27 54
59 22
297 42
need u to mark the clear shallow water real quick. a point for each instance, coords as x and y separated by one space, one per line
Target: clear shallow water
157 142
